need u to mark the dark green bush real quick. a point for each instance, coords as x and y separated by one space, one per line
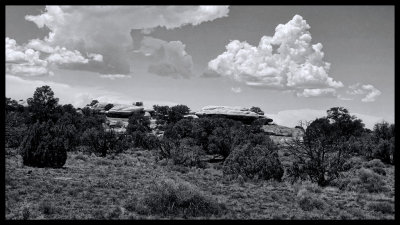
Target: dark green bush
179 198
45 145
257 161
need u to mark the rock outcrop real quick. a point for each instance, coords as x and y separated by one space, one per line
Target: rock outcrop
235 113
124 111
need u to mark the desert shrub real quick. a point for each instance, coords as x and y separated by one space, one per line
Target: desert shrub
254 162
379 171
176 198
45 145
377 166
101 142
187 153
384 207
370 181
166 146
308 201
353 162
144 140
375 163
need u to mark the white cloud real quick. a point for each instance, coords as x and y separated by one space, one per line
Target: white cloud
291 118
115 76
35 57
236 89
287 60
317 92
371 92
170 58
106 29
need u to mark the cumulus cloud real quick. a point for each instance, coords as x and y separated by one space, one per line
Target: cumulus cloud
35 57
236 89
106 29
358 89
287 60
115 76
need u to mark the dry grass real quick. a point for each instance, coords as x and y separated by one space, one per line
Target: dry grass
90 187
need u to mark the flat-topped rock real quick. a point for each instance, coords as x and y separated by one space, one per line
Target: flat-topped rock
124 111
235 112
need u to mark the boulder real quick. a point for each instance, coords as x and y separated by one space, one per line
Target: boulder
235 113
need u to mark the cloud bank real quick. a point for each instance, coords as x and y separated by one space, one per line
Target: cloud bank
287 60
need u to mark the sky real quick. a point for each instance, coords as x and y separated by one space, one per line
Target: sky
294 62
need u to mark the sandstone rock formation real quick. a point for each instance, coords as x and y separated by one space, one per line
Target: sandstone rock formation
124 111
236 113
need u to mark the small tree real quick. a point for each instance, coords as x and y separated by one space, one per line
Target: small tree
43 104
257 110
176 113
320 155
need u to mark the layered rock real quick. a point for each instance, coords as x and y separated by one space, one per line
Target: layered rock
124 111
235 113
